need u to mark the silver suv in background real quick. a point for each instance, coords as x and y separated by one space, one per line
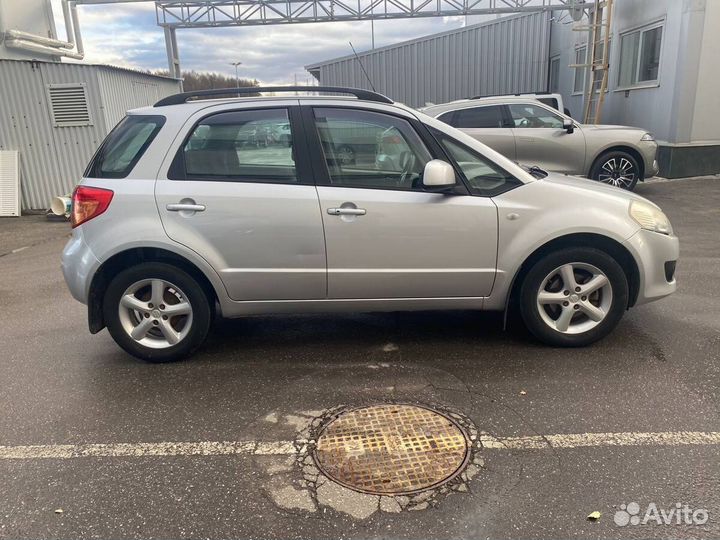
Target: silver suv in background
535 134
188 210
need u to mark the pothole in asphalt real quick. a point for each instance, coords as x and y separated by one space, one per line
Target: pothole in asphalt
392 449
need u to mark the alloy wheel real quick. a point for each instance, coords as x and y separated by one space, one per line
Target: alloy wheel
618 171
155 313
574 298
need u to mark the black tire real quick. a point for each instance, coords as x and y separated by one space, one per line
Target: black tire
194 294
616 162
530 311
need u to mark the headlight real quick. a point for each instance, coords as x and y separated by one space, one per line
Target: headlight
650 217
647 137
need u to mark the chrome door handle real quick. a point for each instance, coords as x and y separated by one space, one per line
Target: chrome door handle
346 211
180 207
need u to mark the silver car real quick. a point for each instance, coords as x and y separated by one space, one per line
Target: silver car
533 133
182 216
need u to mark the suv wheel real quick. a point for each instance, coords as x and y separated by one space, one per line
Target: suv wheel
156 312
618 169
345 154
573 297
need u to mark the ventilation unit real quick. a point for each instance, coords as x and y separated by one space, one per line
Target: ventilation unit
69 105
9 183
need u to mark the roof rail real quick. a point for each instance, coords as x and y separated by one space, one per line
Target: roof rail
509 94
177 99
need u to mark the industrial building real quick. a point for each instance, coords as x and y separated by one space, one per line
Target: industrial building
662 59
53 115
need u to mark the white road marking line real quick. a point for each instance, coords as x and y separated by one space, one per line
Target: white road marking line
269 448
207 448
578 440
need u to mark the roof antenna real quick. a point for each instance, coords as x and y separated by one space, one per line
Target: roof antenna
361 66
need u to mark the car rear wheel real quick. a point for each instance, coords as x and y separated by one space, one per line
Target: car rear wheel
573 297
618 169
156 312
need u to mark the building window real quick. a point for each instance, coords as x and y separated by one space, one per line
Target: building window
554 75
640 56
580 55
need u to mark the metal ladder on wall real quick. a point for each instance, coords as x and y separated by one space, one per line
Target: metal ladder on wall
598 45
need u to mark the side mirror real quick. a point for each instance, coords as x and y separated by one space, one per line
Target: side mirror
568 125
438 175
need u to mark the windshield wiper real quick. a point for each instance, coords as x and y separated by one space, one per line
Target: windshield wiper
536 171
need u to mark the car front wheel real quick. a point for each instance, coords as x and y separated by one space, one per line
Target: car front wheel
156 312
573 297
618 169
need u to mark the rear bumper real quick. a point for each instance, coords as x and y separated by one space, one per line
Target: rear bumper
655 255
78 266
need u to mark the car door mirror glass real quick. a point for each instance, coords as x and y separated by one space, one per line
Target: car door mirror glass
438 175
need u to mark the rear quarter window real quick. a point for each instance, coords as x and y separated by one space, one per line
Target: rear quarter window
124 146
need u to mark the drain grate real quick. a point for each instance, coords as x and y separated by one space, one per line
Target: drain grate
391 449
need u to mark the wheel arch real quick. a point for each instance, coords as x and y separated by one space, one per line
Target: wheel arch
620 148
593 240
131 257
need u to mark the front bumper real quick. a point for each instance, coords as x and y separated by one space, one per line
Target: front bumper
78 266
652 251
649 150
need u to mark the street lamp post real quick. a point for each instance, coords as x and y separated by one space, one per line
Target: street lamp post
237 77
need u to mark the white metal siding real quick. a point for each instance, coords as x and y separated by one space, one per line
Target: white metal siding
52 159
502 56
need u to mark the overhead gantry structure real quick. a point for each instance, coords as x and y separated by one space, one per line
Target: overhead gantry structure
172 15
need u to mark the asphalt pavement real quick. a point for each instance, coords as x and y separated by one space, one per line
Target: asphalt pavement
87 432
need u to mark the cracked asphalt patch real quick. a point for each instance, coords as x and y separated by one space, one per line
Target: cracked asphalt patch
261 379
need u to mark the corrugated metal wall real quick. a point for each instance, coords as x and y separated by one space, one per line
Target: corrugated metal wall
52 159
502 56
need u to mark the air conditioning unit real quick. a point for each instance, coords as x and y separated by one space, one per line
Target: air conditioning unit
9 183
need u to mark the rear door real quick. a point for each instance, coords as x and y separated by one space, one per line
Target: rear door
240 193
541 140
487 124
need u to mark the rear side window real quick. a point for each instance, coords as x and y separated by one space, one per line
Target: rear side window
124 146
242 146
550 101
478 117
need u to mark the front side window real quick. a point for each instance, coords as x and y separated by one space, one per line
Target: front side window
484 177
640 56
366 149
526 115
124 146
241 146
479 117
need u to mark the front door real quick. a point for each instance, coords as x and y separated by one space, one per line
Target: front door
541 140
240 194
385 236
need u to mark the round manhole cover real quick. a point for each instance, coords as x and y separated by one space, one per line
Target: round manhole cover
391 449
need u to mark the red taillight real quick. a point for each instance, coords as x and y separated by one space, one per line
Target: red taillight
87 203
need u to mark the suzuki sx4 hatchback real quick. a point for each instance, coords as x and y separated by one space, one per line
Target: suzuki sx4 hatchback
253 205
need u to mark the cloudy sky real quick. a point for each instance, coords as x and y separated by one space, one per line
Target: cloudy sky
127 35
